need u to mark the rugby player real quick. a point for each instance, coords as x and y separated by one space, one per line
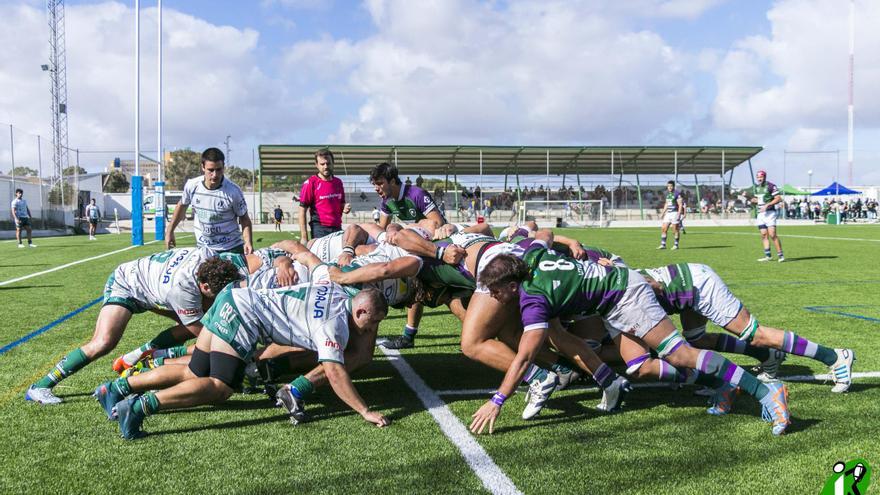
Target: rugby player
698 294
316 316
219 207
409 203
548 285
767 196
177 283
674 211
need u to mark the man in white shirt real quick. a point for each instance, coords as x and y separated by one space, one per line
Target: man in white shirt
219 207
21 215
93 214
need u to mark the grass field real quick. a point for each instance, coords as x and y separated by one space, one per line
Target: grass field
663 442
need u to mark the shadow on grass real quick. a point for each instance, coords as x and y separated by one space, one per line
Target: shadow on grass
31 287
19 265
808 258
221 426
431 313
706 247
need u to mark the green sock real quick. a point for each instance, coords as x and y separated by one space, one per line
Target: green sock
159 362
760 353
177 351
121 386
301 388
146 404
68 365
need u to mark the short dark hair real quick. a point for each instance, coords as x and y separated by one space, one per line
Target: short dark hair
19 191
217 273
324 153
671 182
213 155
374 298
384 170
503 269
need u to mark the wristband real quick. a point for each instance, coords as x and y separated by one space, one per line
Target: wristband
348 250
498 399
439 253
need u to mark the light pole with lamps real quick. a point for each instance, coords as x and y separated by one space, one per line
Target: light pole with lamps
810 175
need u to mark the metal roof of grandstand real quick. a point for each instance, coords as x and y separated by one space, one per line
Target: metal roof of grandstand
499 160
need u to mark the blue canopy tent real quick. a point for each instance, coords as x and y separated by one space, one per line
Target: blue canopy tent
835 189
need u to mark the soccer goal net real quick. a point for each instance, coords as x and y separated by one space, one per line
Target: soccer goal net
576 213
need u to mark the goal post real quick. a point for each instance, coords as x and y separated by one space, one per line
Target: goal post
574 213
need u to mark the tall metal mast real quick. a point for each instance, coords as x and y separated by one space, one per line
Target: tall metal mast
58 73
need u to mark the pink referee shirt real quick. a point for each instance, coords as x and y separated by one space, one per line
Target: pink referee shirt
324 199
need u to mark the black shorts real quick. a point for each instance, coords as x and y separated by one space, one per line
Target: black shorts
93 221
22 223
319 230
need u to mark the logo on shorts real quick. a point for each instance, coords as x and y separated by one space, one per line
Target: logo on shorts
188 312
850 477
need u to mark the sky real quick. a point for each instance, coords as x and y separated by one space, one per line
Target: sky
592 72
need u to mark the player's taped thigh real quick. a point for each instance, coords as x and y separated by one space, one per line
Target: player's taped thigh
694 334
750 331
227 368
668 345
200 363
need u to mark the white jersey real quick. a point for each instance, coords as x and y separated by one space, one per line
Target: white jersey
216 213
395 290
311 316
329 247
92 212
20 207
167 280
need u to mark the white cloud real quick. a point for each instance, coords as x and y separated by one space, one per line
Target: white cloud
460 71
212 84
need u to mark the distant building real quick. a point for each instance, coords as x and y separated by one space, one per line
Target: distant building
149 170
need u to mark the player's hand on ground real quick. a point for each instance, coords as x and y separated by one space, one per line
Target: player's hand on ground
376 418
454 254
344 259
485 415
170 241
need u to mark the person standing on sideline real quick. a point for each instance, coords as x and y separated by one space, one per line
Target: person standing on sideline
673 209
21 215
376 214
323 196
278 214
767 196
93 214
219 208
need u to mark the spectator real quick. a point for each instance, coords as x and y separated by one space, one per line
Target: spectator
93 214
376 214
363 196
419 181
323 197
278 214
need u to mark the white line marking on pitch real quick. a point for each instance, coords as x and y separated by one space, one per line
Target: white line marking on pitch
800 236
792 378
32 275
481 464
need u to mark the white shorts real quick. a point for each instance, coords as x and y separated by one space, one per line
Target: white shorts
637 312
714 299
767 219
329 247
671 217
490 254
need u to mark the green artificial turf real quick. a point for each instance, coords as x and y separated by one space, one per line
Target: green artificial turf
662 442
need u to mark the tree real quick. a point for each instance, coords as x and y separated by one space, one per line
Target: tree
23 172
184 164
116 183
73 170
55 194
241 176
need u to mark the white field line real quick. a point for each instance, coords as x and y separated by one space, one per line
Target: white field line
32 275
783 234
493 478
791 378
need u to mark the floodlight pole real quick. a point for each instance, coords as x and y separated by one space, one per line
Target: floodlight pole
12 153
40 177
850 109
612 184
723 210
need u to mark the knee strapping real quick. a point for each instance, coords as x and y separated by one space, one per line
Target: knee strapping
750 331
695 334
633 365
200 363
669 345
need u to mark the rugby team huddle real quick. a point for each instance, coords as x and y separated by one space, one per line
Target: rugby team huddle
538 306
